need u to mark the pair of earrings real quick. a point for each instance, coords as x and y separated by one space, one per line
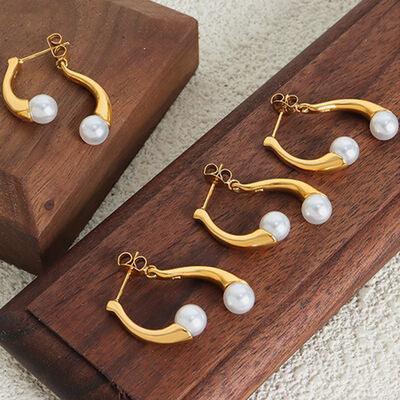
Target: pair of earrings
344 150
190 320
43 109
274 226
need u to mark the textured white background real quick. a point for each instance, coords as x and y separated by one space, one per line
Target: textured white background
243 43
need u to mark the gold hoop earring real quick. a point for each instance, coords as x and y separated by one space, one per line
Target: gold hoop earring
274 226
42 109
344 150
190 320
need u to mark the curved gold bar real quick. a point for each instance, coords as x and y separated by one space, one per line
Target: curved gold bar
257 238
299 188
330 162
173 333
103 106
363 107
19 107
215 275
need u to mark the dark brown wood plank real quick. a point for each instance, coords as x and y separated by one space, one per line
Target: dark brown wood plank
51 182
299 284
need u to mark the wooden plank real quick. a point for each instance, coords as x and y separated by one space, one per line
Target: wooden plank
299 284
51 182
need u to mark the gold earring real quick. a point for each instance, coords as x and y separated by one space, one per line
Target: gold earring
344 150
43 108
190 320
274 226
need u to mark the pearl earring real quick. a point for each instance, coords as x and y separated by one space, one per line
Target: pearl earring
190 320
344 150
274 226
43 109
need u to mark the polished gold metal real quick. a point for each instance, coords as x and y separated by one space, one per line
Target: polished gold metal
20 107
137 264
259 237
287 104
59 52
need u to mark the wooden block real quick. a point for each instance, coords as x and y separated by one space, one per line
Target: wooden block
51 182
299 284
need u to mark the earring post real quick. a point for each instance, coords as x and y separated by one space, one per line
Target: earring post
277 124
124 283
209 194
41 53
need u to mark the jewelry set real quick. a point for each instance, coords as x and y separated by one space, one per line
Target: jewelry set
239 298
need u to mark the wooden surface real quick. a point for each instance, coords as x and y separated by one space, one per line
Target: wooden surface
51 182
299 284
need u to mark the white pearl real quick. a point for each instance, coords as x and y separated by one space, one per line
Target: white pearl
192 318
239 298
93 130
277 224
347 148
43 109
384 125
316 209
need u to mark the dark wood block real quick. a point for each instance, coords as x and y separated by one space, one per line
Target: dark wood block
299 284
51 182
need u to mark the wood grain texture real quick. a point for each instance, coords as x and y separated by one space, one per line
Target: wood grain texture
299 284
51 182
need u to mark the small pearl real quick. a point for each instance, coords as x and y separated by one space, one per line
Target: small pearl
347 148
93 130
384 125
316 209
239 298
277 224
43 109
192 318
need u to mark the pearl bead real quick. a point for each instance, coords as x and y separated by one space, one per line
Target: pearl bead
239 298
192 318
277 224
316 209
384 125
43 109
347 148
93 130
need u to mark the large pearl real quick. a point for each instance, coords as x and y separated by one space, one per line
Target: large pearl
43 109
316 209
93 130
277 224
347 148
384 125
192 318
239 298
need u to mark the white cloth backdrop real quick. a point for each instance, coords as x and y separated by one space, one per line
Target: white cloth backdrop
243 43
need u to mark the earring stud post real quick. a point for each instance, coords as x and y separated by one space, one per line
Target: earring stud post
124 283
211 190
41 53
277 124
209 194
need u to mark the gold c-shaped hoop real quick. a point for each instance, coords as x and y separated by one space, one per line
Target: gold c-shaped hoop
259 237
20 107
59 52
103 104
173 333
330 162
